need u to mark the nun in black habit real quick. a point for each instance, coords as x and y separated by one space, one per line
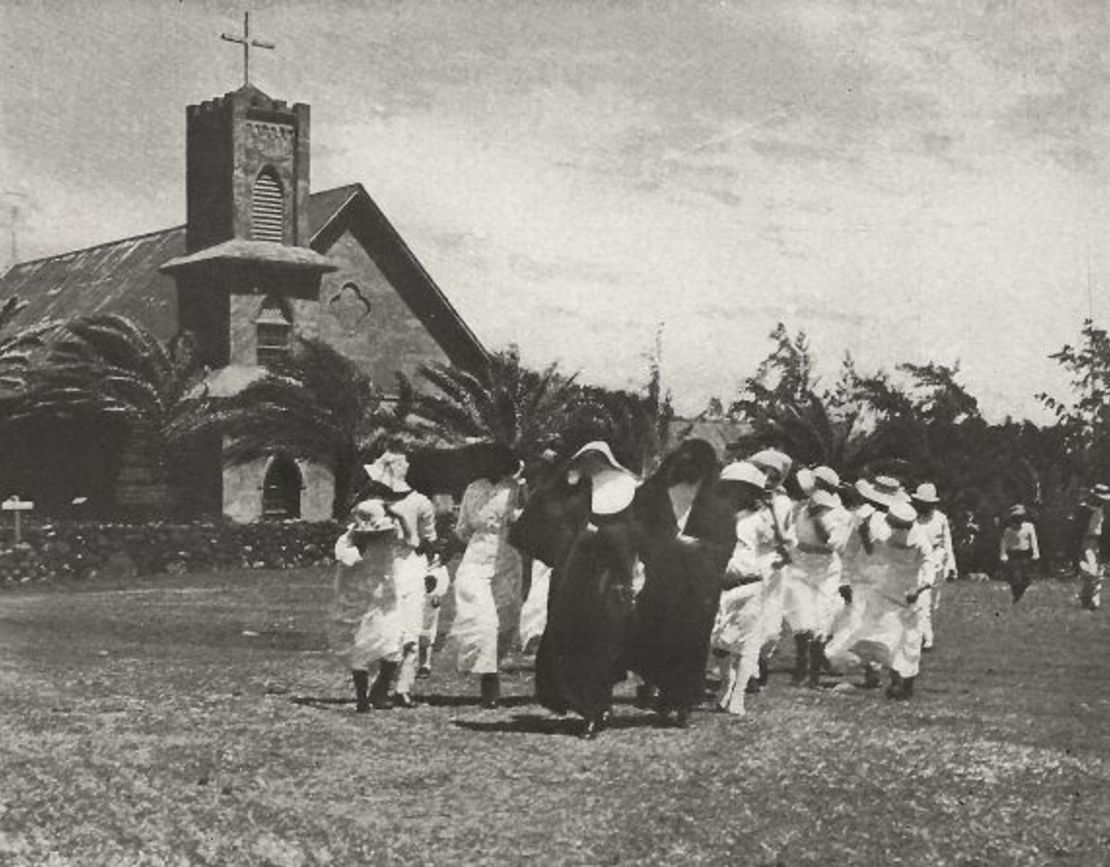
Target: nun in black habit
581 525
686 534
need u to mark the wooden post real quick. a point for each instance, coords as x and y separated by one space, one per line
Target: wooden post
17 507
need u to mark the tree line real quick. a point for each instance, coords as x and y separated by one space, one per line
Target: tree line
88 403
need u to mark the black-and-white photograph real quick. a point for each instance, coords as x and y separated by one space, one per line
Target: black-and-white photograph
554 432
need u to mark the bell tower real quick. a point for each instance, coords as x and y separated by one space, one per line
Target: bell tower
247 170
248 283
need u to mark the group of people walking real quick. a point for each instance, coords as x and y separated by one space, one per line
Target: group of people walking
605 576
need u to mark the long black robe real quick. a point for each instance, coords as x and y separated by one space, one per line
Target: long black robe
589 606
674 613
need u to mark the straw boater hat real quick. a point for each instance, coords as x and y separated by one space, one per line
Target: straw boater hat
370 516
926 493
746 473
826 478
822 499
772 459
901 513
1101 492
882 490
389 471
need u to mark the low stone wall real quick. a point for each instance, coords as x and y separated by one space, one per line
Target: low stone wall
83 550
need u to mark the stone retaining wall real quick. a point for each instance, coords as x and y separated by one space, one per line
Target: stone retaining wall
82 550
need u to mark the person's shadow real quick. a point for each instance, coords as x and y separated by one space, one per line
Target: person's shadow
567 726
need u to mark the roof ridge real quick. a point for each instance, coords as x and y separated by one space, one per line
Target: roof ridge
96 246
141 235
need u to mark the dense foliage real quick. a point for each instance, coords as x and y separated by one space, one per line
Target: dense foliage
92 403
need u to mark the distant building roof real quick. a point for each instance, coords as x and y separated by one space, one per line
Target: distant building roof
123 276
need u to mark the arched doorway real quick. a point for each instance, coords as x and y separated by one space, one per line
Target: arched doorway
281 490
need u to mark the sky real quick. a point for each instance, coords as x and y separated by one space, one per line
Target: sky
913 180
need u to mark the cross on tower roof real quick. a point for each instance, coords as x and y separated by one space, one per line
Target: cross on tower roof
246 41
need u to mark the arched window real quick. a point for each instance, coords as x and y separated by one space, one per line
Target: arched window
275 330
281 490
267 207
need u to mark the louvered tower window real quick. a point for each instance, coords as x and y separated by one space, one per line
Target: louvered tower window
267 208
275 331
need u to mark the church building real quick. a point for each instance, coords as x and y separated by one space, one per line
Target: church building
261 261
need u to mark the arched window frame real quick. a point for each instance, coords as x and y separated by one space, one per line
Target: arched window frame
282 504
268 206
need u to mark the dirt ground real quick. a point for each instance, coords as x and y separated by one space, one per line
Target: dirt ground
199 720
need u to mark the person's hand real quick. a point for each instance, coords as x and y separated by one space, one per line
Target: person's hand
685 540
1005 559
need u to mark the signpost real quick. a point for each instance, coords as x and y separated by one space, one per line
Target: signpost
17 507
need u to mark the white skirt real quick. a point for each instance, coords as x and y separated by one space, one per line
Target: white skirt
739 624
880 629
533 614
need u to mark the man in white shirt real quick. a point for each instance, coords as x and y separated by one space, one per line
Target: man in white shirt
1090 553
933 525
1018 550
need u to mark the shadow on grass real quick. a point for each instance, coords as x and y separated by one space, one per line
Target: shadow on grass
332 703
568 726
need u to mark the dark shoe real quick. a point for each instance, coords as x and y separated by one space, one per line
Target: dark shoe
362 691
816 657
754 687
381 703
871 678
491 690
801 659
896 689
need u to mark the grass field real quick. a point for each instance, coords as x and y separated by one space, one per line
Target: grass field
143 725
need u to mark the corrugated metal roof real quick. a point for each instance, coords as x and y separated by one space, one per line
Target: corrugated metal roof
122 276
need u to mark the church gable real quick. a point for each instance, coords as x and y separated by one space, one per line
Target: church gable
365 319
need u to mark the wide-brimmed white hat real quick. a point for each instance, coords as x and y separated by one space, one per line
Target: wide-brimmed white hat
370 516
822 499
772 459
882 490
602 448
826 478
389 471
746 473
901 511
926 493
612 490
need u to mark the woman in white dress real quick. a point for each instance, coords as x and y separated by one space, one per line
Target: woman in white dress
893 573
411 563
488 580
365 623
738 631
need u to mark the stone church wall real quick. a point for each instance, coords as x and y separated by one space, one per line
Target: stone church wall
364 318
243 484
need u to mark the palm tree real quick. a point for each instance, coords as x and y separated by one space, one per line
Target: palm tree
315 405
106 367
508 403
